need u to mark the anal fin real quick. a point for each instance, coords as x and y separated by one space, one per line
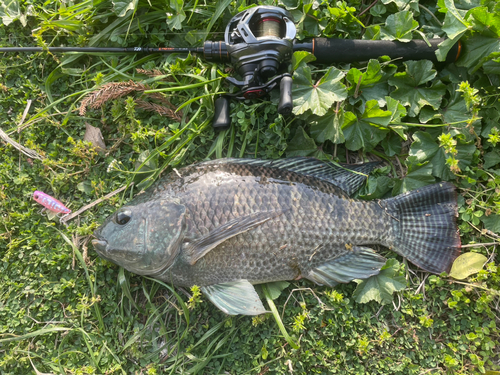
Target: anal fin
360 263
235 297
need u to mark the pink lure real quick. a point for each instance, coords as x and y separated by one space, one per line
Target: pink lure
50 203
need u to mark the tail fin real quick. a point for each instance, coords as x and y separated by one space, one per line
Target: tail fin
424 228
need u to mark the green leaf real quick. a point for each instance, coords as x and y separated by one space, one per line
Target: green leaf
492 223
454 24
317 97
121 7
411 89
478 50
417 176
301 144
174 21
377 187
424 148
85 187
392 145
328 127
491 159
367 130
399 26
275 288
301 58
455 111
381 287
467 264
10 11
488 24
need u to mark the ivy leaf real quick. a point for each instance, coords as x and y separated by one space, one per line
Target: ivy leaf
301 144
174 21
368 130
328 127
317 97
381 287
418 175
121 7
399 26
411 89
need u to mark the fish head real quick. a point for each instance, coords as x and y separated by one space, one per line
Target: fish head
143 238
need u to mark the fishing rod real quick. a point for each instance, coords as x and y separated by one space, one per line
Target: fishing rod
259 42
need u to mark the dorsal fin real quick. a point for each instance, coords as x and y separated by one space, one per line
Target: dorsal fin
348 177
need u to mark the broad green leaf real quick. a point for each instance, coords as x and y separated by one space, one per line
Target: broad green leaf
403 4
467 264
317 97
328 127
399 26
491 159
174 21
301 58
425 148
418 175
392 144
381 287
479 48
301 144
371 84
10 11
488 24
367 130
454 112
411 89
377 187
455 23
275 288
492 223
121 7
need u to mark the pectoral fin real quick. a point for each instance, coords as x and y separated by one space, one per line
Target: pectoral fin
236 297
360 263
198 248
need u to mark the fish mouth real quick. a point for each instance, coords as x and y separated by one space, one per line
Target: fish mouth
100 245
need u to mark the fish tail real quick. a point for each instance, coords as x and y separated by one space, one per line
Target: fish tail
424 228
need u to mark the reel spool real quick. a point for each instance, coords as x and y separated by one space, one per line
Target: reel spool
258 41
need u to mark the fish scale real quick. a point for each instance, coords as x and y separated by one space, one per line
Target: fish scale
228 224
294 234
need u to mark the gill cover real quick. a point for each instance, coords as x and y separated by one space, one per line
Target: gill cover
143 238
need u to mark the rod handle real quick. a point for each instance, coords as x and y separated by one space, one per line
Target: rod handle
350 50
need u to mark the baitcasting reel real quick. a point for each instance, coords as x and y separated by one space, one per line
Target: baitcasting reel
258 41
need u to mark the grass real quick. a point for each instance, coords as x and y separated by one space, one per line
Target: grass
63 310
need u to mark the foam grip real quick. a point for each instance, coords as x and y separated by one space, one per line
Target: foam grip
285 105
349 50
222 119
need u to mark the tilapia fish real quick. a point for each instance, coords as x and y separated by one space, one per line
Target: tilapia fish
228 224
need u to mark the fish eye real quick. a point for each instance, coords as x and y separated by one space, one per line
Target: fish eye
123 217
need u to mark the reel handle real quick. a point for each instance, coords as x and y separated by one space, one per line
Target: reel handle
222 116
285 104
349 50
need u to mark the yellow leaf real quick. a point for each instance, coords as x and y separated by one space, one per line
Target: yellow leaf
467 264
